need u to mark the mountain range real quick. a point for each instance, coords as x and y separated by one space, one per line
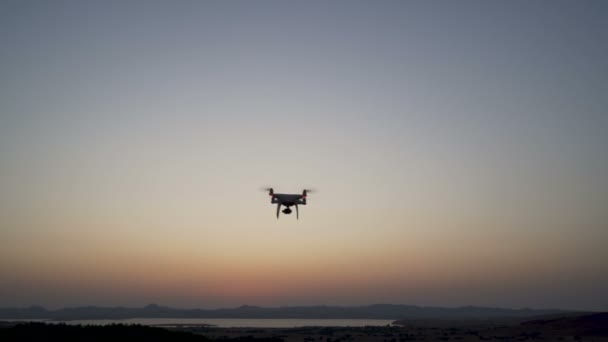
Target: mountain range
377 311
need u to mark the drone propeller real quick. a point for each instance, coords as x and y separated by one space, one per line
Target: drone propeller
269 190
306 191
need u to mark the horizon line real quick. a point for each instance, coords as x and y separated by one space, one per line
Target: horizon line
296 306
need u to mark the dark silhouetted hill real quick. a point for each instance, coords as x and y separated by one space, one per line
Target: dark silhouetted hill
379 311
585 325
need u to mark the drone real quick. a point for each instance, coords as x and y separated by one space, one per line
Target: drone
288 200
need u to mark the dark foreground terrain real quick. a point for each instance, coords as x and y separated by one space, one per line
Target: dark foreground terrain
94 333
589 327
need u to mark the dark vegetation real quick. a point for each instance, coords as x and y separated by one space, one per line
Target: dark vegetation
113 332
586 325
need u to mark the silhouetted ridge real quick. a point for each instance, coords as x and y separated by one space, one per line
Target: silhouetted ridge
378 311
593 324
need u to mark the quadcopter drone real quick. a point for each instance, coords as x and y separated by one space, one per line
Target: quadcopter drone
288 200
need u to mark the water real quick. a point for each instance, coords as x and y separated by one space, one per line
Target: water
235 322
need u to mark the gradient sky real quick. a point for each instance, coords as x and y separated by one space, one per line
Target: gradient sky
460 150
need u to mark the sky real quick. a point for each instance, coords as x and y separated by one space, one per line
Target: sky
459 150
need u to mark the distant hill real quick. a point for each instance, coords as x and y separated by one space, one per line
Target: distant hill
378 311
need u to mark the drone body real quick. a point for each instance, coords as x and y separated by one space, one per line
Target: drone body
288 200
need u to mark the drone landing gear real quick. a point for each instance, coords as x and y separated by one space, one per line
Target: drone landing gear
287 210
